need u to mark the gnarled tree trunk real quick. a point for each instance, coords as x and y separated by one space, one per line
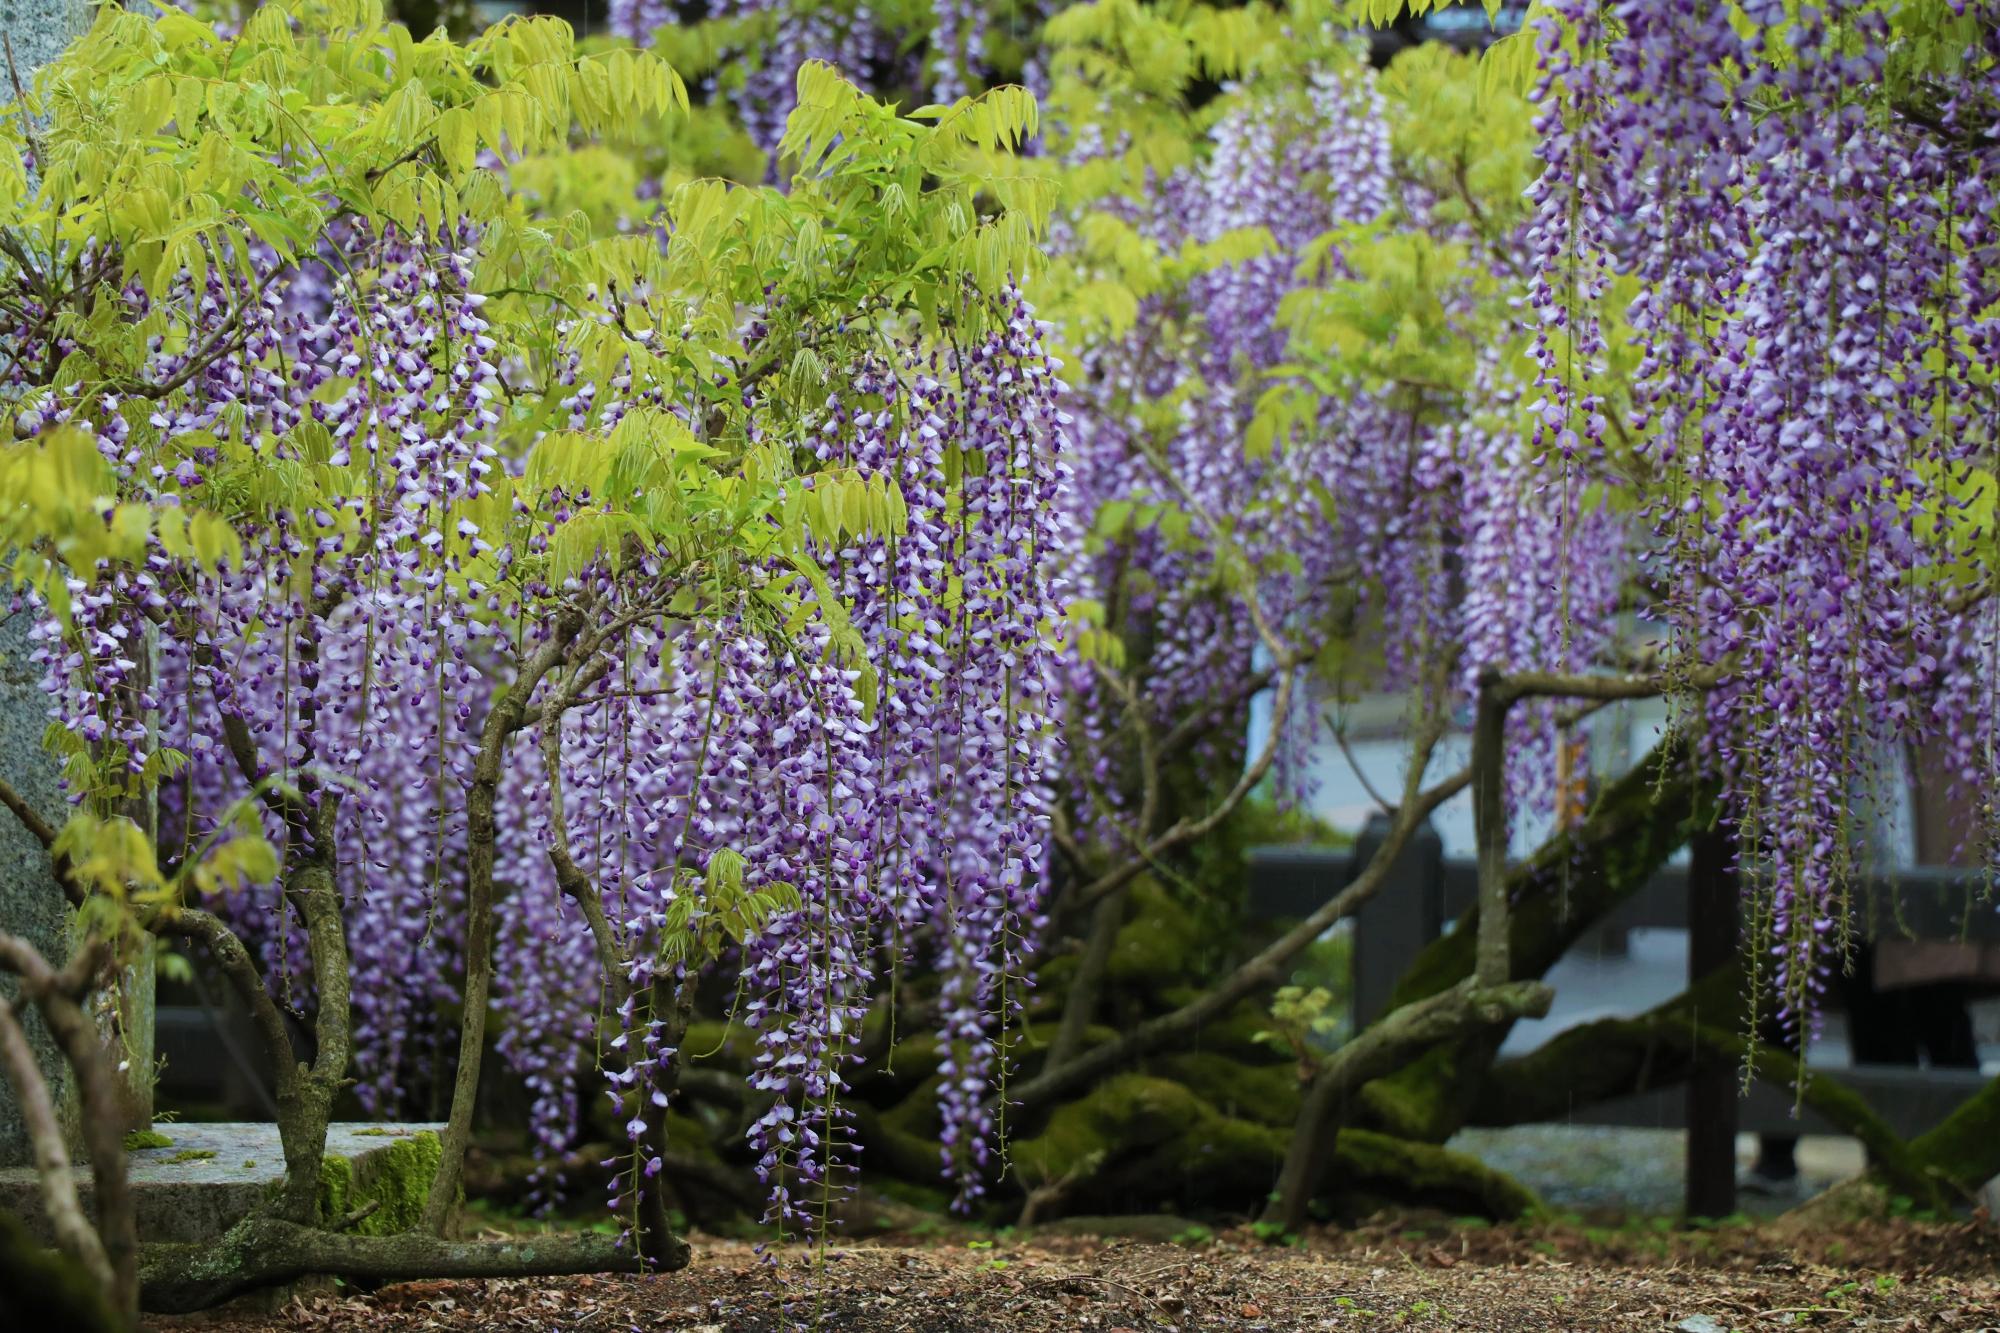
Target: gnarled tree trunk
1556 896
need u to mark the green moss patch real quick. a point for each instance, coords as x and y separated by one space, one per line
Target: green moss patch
397 1177
1265 1093
1424 1173
1161 943
146 1138
1137 1141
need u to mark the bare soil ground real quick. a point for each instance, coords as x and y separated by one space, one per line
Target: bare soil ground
1394 1275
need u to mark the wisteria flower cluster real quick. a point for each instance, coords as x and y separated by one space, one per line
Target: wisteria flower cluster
577 646
1803 205
1298 495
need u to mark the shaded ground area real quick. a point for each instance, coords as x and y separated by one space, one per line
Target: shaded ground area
1402 1275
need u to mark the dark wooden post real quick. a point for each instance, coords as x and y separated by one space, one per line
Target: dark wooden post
1396 924
1714 917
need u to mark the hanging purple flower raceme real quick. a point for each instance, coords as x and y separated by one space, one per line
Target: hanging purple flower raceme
849 39
637 20
1812 329
1570 234
956 43
1292 167
909 808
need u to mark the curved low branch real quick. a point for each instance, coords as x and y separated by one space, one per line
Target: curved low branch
1698 1029
1379 1049
73 1232
1964 1151
264 1251
57 995
31 818
230 954
1509 688
43 832
1570 882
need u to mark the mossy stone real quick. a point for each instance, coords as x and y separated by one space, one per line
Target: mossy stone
1267 1093
398 1179
1160 945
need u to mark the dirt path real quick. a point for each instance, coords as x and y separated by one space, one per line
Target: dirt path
1438 1278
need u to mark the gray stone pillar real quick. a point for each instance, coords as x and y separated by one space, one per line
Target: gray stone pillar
31 904
37 31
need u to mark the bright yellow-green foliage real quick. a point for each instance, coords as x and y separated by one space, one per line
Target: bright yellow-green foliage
169 141
1403 306
1128 84
165 153
68 515
168 146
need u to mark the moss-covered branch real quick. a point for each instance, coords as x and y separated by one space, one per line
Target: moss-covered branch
1964 1151
1611 1058
265 1251
1662 1048
1956 1158
1259 973
1383 1046
1368 1163
1137 1142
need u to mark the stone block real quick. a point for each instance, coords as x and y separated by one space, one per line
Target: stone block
206 1177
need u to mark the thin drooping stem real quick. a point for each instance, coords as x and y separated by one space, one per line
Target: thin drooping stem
227 949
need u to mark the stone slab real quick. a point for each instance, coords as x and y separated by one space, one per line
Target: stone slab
183 1195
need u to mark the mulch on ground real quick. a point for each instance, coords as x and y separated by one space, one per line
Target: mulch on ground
1399 1275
